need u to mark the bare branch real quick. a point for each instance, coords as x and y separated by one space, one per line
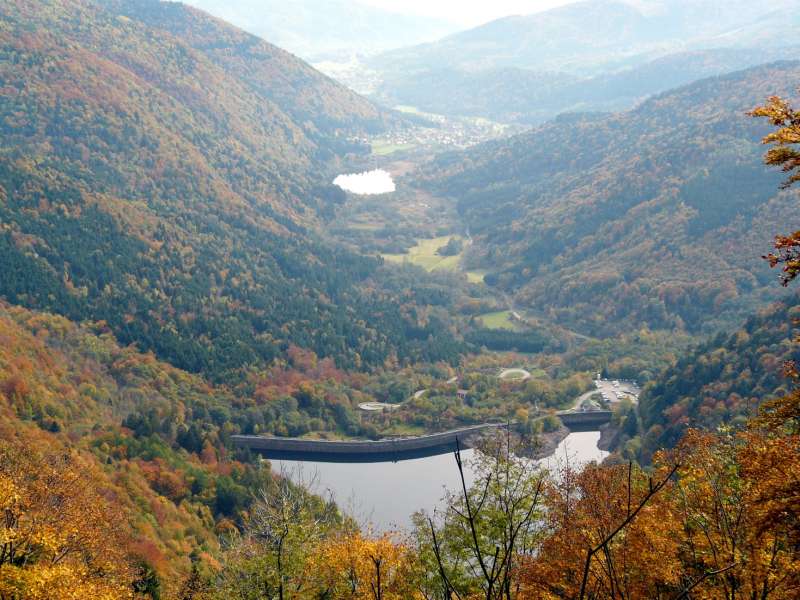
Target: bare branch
685 592
448 587
653 490
470 514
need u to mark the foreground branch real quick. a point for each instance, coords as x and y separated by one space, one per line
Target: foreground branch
653 490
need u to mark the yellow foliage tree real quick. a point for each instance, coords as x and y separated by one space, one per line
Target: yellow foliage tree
57 534
359 568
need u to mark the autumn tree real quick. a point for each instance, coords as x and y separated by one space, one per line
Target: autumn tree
296 546
773 452
473 549
59 536
351 565
608 534
270 558
784 154
785 139
728 549
772 456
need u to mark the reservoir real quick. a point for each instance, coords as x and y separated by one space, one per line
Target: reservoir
367 183
386 494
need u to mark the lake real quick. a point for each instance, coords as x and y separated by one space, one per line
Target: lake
367 183
386 494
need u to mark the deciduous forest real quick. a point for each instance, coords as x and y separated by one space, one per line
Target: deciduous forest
177 270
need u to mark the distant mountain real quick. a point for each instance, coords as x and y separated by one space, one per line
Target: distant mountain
588 56
656 216
596 36
518 95
583 36
166 173
327 29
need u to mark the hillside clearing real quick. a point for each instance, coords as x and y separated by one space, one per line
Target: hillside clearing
424 255
498 320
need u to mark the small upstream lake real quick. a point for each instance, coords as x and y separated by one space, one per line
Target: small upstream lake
367 183
386 494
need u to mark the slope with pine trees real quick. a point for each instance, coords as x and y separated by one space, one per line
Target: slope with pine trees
166 173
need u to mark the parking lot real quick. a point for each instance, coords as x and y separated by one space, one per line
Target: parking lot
616 390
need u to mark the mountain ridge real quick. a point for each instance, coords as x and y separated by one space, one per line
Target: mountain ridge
516 95
586 37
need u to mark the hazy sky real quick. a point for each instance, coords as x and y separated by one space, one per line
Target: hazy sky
467 12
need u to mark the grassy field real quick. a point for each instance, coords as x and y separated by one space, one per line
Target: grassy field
498 320
381 148
476 276
424 255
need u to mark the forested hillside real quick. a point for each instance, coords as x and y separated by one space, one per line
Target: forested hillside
654 216
169 279
724 380
66 391
165 172
316 104
149 445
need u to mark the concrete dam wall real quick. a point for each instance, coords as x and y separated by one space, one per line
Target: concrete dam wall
395 449
589 420
363 451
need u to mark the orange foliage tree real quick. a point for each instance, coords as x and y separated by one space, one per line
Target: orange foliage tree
773 452
731 547
722 527
609 535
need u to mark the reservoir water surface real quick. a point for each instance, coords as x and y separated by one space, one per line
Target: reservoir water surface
367 183
386 494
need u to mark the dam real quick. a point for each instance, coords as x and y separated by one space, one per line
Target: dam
396 449
391 450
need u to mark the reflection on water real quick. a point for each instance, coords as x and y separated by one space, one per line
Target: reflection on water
386 494
576 450
367 183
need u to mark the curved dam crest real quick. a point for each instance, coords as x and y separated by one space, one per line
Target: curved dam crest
387 450
394 450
